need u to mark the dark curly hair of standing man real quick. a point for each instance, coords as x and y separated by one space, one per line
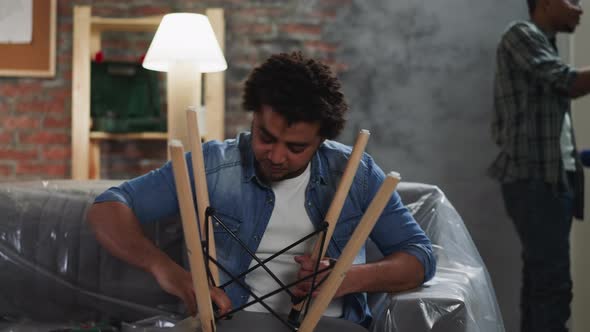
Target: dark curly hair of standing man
300 89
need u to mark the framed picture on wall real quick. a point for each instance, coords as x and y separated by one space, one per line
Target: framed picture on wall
27 48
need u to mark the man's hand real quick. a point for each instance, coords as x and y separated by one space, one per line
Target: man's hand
177 281
221 300
307 266
117 229
397 272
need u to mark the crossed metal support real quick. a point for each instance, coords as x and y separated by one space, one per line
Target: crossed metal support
292 325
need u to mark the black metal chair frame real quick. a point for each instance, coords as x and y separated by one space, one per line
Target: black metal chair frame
293 321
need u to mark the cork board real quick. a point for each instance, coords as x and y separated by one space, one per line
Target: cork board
38 58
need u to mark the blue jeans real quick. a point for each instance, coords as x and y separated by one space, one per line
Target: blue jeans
542 215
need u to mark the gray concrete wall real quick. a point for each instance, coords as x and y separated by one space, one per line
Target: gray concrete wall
420 78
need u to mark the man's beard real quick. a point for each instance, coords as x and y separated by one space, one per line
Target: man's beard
263 170
266 174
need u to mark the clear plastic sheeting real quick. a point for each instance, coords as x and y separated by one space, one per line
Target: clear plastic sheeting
52 269
460 297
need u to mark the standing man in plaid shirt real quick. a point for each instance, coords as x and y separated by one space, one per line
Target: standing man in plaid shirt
538 166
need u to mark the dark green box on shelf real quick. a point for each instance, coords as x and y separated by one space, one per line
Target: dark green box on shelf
125 97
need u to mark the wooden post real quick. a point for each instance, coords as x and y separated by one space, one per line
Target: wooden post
215 83
81 93
94 160
183 88
353 246
191 236
200 180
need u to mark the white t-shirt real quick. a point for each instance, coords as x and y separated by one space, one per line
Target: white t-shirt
567 145
288 223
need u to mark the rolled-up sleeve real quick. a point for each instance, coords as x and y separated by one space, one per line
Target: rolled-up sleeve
151 196
531 50
397 230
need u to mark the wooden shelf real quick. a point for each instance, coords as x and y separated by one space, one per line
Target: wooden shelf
86 41
125 24
103 136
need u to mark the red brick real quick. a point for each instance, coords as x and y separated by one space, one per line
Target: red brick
67 76
57 122
150 10
64 8
31 106
116 44
60 94
17 122
325 14
107 11
65 27
141 45
64 59
306 29
320 46
57 152
18 154
5 107
260 12
43 137
5 138
55 106
252 28
6 170
33 168
20 89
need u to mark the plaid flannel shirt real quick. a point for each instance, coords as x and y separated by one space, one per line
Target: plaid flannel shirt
530 100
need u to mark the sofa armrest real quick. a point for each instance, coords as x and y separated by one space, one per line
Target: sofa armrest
460 297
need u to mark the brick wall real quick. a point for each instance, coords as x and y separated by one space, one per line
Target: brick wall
35 114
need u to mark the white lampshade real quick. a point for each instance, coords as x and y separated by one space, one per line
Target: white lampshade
185 38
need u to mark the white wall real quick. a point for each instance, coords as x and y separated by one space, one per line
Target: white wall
580 51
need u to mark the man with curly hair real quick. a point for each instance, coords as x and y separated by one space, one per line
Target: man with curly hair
273 186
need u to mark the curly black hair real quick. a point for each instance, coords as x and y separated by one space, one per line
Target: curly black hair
532 5
298 88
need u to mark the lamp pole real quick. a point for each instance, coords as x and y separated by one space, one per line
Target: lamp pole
183 90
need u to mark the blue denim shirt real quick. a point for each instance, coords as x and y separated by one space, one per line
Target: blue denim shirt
245 203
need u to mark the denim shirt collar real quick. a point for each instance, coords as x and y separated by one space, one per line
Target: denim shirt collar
318 170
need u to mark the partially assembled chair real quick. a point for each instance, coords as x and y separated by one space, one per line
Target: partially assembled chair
201 249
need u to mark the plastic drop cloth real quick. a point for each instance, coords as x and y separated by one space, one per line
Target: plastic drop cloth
53 271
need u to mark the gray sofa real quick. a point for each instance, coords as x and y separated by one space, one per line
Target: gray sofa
52 270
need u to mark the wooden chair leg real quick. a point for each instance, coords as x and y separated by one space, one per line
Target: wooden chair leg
355 243
191 236
336 207
200 180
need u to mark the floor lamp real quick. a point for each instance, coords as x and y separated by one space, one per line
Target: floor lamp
184 46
